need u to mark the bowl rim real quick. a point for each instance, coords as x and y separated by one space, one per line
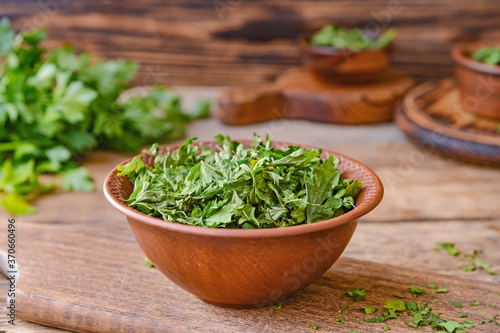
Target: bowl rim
458 55
369 204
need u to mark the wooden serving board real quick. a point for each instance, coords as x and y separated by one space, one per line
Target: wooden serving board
91 277
432 115
297 94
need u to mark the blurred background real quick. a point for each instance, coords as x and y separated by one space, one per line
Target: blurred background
244 42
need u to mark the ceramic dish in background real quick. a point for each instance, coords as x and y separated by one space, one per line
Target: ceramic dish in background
345 66
479 83
245 268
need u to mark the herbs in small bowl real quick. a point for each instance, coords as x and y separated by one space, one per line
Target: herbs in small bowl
240 187
487 55
351 39
228 186
348 55
477 71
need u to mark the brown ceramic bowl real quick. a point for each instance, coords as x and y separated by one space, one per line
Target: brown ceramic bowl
344 66
479 83
245 268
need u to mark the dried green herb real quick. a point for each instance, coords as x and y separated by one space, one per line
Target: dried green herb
474 262
237 187
314 326
442 290
340 320
357 294
456 304
277 306
398 296
386 328
416 291
476 303
432 286
369 309
148 263
351 39
487 55
449 247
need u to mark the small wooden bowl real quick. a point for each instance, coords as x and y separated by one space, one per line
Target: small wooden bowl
479 83
245 268
344 66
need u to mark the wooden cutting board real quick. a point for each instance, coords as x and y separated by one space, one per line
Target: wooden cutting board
432 115
297 94
91 277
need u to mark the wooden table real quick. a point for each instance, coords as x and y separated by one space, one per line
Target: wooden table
427 199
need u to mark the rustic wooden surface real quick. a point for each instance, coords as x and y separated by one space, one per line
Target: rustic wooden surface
427 200
235 42
298 94
432 115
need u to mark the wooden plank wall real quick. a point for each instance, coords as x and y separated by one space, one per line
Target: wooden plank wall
242 42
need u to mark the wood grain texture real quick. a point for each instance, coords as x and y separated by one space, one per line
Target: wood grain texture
227 42
298 94
432 115
427 200
92 278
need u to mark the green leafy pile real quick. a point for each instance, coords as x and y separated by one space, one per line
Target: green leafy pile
487 55
238 187
351 39
55 107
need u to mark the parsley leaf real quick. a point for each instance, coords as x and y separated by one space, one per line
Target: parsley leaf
369 309
395 305
357 294
148 263
416 291
56 107
442 291
340 320
377 319
456 304
475 303
450 247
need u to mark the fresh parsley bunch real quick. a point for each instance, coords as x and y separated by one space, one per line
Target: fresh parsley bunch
238 187
487 55
351 39
55 107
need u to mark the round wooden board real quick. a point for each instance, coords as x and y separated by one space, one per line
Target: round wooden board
297 94
432 116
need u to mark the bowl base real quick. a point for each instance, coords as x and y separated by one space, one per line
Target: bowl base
256 305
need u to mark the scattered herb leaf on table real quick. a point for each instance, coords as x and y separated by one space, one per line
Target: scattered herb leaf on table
238 187
56 106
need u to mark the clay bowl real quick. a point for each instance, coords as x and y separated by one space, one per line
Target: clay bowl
479 83
344 66
245 268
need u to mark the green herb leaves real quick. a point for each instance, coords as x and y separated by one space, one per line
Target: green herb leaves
351 39
238 187
487 55
473 262
416 291
55 107
357 294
